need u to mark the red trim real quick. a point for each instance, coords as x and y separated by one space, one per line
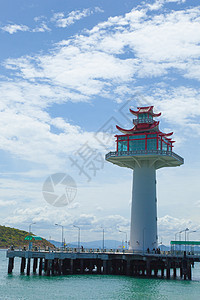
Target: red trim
144 109
157 143
156 115
125 130
136 129
165 134
163 141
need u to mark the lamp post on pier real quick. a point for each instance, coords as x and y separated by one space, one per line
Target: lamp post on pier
62 242
180 238
79 236
29 229
189 233
126 238
175 237
103 240
161 241
187 229
189 236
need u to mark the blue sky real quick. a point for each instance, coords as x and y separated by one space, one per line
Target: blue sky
70 70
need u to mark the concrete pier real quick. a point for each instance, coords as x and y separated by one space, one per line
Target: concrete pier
105 263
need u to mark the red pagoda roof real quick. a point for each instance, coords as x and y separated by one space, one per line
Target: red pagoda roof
145 109
140 128
145 126
166 134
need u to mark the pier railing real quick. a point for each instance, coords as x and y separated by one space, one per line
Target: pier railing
109 251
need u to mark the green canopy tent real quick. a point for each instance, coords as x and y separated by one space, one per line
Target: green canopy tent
196 243
192 244
30 237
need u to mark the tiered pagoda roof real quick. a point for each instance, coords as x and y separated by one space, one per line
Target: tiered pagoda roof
146 124
140 128
144 109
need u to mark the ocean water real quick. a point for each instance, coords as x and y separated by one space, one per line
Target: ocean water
108 287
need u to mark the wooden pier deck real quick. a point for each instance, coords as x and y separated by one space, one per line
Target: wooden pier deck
94 262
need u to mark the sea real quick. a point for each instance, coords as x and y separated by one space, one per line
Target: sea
107 287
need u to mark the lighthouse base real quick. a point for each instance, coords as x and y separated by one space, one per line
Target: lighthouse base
143 233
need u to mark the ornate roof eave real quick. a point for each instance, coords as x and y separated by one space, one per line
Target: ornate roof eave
148 109
135 130
166 134
125 131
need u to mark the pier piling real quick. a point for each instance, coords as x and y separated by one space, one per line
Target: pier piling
10 265
28 267
40 266
23 265
35 263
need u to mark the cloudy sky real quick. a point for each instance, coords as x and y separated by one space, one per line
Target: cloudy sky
69 72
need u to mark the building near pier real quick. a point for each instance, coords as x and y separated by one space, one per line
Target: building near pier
144 149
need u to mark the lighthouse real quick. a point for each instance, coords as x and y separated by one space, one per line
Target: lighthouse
144 149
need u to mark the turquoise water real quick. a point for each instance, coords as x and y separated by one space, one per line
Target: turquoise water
21 287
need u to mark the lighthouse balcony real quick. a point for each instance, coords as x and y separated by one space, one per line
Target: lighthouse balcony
145 153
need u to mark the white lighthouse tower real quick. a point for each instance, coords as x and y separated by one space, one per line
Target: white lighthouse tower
144 149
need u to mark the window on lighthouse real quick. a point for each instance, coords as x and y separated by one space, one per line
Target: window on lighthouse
142 117
122 146
151 144
159 145
133 137
136 145
164 146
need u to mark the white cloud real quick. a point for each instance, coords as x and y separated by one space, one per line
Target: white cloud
171 224
46 216
179 106
91 226
168 226
13 28
4 203
99 208
74 205
64 21
44 146
159 3
159 43
60 20
41 28
113 223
